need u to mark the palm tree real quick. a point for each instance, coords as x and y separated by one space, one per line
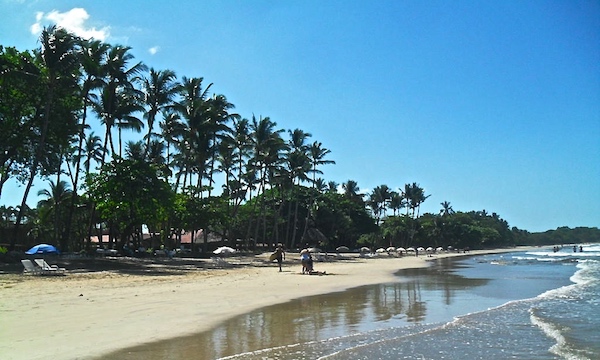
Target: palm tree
116 102
160 89
414 196
118 92
298 167
446 209
267 146
93 58
351 191
194 149
58 195
378 201
417 198
128 105
396 202
332 187
134 150
92 151
219 117
316 154
242 145
59 57
172 130
321 185
298 164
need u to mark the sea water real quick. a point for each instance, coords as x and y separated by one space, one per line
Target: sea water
524 305
537 304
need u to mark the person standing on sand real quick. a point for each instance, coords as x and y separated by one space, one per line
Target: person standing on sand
307 262
279 255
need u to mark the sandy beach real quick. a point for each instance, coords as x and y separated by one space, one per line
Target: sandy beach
87 314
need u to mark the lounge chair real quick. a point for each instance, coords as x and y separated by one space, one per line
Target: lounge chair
49 269
220 262
30 268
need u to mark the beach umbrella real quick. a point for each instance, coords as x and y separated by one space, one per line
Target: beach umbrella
439 249
315 250
42 249
429 249
410 249
224 250
304 251
342 248
401 250
420 249
380 250
365 249
390 249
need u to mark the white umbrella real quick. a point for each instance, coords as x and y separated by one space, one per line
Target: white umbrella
342 248
439 249
315 250
365 249
390 249
429 249
380 250
420 249
410 249
224 250
401 249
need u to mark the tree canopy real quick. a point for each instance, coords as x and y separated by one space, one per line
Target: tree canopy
195 165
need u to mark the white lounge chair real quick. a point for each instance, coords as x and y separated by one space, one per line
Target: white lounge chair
49 269
30 268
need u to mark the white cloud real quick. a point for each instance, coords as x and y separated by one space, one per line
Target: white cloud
73 21
36 28
153 50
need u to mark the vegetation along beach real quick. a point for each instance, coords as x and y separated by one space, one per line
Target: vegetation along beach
164 169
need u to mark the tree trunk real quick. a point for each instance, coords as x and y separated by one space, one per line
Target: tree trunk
36 161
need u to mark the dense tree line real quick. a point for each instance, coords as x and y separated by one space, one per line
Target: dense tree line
562 235
197 164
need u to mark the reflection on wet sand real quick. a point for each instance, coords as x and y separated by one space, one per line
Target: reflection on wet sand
316 318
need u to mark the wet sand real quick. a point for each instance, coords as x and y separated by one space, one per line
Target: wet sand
92 314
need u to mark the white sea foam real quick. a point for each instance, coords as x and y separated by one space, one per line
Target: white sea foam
561 347
585 274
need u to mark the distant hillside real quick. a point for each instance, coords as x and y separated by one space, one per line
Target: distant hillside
564 235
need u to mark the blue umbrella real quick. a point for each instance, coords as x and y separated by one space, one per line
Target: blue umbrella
42 249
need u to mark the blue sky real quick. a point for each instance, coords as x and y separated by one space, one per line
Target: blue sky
486 104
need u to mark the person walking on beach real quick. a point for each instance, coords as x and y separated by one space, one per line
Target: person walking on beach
279 255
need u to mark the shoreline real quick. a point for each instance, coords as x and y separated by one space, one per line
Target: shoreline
86 315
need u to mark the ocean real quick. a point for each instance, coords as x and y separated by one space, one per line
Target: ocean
537 304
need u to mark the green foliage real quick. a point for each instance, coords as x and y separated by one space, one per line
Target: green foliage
129 194
341 220
562 235
3 250
271 192
21 94
474 230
